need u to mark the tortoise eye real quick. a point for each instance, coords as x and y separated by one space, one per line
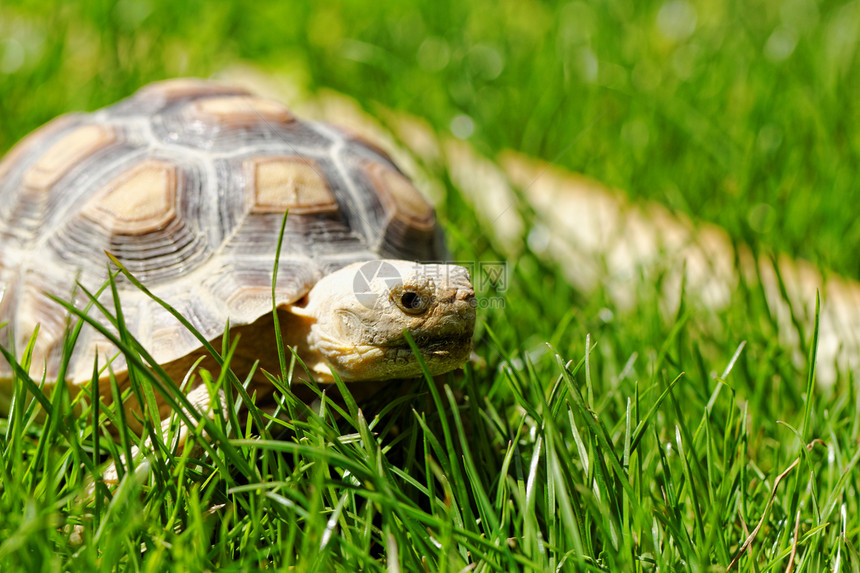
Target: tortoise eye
413 303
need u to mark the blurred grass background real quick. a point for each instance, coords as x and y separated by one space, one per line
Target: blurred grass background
744 114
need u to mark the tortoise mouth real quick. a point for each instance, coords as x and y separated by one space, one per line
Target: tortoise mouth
445 350
436 342
395 359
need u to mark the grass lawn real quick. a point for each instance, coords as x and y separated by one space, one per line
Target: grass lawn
591 438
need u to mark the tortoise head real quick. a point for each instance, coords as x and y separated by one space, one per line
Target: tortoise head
358 316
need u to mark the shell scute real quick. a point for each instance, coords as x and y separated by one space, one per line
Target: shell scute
147 214
186 182
140 200
177 89
291 183
67 152
409 222
16 158
159 96
240 111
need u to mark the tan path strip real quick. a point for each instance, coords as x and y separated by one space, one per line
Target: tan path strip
600 238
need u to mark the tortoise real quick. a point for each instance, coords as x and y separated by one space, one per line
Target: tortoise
186 183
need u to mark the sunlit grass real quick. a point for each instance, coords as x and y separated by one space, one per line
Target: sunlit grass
596 454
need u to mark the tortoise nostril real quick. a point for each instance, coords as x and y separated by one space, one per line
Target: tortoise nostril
465 294
466 299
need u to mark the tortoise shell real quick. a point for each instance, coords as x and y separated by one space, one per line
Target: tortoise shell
186 183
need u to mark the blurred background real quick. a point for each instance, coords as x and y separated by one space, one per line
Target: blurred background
743 114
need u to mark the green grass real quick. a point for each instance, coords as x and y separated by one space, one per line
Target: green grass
594 437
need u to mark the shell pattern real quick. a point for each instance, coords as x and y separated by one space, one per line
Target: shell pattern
186 183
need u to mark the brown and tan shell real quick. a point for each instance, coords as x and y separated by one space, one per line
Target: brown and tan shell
186 183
